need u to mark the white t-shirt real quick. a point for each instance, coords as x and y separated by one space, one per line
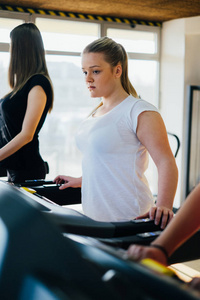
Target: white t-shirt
114 187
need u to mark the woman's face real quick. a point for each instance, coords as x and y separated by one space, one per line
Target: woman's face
99 75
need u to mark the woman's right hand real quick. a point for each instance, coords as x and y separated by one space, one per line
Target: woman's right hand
67 181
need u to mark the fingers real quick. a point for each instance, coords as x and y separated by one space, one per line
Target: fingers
138 252
161 215
144 216
67 181
152 212
166 216
135 252
60 179
64 181
170 216
64 186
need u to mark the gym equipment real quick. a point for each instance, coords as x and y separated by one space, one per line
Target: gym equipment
38 262
122 234
115 234
73 221
50 190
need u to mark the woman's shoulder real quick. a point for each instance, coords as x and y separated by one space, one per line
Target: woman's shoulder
136 107
39 79
139 103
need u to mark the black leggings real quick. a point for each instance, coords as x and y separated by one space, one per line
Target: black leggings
18 176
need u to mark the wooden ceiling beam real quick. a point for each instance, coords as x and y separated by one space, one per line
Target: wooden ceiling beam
146 10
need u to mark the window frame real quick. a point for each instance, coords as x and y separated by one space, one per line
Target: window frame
104 25
55 52
4 47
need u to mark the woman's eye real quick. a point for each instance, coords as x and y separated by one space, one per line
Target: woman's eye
96 72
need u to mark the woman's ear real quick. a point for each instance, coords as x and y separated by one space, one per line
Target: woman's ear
118 71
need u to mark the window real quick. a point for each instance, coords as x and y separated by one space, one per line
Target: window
143 67
6 25
63 35
4 61
72 102
135 41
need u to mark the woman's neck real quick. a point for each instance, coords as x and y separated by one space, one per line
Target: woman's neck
108 103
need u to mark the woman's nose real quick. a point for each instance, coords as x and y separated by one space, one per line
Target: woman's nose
89 78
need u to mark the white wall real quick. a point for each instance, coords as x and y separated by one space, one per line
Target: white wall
180 66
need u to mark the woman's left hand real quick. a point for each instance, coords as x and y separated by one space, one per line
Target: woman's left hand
137 253
161 214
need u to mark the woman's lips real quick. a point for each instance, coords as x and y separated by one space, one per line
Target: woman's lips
91 88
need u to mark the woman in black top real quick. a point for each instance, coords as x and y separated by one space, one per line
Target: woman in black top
24 109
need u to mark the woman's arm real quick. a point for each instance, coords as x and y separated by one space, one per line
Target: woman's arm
35 107
152 133
183 226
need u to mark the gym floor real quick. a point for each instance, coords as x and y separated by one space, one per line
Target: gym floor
187 270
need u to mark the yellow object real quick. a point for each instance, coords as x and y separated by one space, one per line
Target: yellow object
28 190
158 267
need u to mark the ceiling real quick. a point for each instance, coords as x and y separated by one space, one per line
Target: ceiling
144 10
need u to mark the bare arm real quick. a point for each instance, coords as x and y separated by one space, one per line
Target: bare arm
152 133
35 107
188 217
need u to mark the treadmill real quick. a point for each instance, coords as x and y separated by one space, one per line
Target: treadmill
115 234
39 262
50 190
72 221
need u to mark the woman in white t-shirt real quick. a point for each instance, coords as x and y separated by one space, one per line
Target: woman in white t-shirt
115 140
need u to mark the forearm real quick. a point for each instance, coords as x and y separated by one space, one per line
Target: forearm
183 225
14 145
167 182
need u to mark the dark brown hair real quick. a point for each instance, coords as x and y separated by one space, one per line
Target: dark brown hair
27 56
